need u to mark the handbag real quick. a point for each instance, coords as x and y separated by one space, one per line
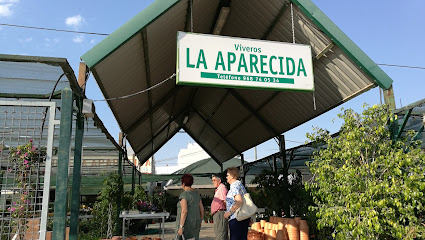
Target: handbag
247 209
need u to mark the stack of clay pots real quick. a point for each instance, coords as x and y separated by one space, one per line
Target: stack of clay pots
279 229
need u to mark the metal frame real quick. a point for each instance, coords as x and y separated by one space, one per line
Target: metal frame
49 154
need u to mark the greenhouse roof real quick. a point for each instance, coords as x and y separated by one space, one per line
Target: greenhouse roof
297 157
224 122
41 79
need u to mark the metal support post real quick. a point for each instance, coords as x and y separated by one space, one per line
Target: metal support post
61 193
118 224
274 164
242 171
133 179
285 167
76 175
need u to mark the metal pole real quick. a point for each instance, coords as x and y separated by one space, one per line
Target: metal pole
133 179
48 171
118 226
76 178
282 149
242 169
61 193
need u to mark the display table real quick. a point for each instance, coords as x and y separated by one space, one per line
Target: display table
158 215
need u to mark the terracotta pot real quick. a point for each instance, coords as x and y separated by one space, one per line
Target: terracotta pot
280 226
262 223
269 225
297 219
272 219
256 226
266 234
292 229
280 235
279 219
254 235
272 235
304 232
116 238
49 235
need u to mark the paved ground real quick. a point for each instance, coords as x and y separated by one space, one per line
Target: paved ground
207 231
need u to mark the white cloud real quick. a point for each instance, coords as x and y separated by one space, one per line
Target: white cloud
25 40
74 21
6 7
78 39
5 10
91 41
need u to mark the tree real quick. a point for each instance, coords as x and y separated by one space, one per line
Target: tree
366 184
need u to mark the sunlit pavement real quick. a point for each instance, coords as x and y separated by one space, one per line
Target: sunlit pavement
207 231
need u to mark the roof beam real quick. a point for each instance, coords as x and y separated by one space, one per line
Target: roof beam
324 51
275 21
160 146
148 76
242 101
218 133
222 19
172 110
214 111
172 92
188 23
203 147
180 115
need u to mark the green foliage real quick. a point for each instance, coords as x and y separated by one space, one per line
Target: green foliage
107 199
87 236
158 200
128 202
170 204
273 192
140 194
366 184
111 187
206 200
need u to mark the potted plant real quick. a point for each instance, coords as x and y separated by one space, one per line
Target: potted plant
206 218
210 220
145 207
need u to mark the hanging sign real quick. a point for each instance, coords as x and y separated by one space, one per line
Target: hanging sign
210 60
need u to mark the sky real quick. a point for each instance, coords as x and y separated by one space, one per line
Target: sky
388 31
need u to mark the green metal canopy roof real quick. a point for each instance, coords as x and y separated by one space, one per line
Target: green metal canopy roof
225 122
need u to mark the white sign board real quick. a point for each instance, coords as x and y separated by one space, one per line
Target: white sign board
212 60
